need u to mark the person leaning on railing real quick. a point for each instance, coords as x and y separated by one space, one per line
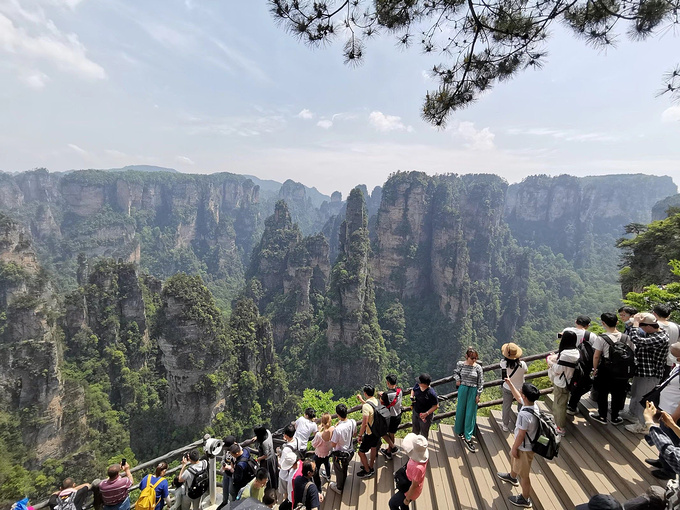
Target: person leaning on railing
114 490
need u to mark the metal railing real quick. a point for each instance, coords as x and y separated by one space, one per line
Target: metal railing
179 452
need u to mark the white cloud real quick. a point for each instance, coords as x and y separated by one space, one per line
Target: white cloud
71 4
671 114
30 37
77 149
325 124
242 62
476 139
306 114
35 79
116 154
239 125
184 159
568 135
386 123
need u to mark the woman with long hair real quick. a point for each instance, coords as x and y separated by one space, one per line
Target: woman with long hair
560 371
322 448
470 381
162 489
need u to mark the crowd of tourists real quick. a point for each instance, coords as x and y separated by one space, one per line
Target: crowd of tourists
643 360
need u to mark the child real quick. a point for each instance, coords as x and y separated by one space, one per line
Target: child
322 448
522 454
470 380
514 369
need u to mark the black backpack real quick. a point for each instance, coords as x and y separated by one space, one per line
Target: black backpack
381 420
251 467
545 443
621 361
199 484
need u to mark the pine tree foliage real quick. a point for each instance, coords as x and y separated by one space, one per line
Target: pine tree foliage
482 41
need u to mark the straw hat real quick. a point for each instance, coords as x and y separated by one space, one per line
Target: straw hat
511 351
415 447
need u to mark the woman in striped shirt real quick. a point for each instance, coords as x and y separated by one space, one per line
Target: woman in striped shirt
470 381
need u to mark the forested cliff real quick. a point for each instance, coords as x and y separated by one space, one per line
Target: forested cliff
139 310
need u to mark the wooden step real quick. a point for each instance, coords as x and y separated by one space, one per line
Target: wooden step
543 495
625 441
593 437
483 477
497 460
460 474
439 474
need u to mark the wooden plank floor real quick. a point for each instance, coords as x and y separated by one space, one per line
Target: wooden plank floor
593 459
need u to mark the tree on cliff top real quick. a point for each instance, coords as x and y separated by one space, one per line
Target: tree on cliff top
483 41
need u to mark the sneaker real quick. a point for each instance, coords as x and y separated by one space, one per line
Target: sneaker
636 428
462 436
654 463
507 478
598 418
505 428
520 501
560 431
334 487
662 474
616 421
470 445
362 473
395 449
627 416
387 453
570 411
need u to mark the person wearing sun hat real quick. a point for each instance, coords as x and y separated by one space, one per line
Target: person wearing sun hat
515 369
415 446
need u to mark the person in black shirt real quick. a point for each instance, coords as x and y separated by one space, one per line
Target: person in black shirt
425 403
304 488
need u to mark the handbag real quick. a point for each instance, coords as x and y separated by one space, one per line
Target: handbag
401 480
654 396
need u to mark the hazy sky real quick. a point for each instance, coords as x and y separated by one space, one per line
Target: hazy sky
215 85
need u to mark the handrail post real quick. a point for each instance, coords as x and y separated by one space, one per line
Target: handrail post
213 479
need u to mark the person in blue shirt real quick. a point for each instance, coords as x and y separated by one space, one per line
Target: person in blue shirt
161 488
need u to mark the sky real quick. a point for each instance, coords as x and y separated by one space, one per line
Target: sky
209 86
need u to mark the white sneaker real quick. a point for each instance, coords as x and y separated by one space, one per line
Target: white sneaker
628 416
334 487
636 428
505 428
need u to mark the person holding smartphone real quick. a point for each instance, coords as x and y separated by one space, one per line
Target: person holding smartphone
114 490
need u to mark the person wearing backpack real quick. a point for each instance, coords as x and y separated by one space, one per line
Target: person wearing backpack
290 455
614 353
193 474
244 468
157 490
305 494
651 353
391 399
368 441
514 369
561 371
70 496
469 379
522 453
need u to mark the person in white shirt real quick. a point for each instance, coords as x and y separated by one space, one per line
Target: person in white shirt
343 449
560 371
305 426
514 369
288 461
